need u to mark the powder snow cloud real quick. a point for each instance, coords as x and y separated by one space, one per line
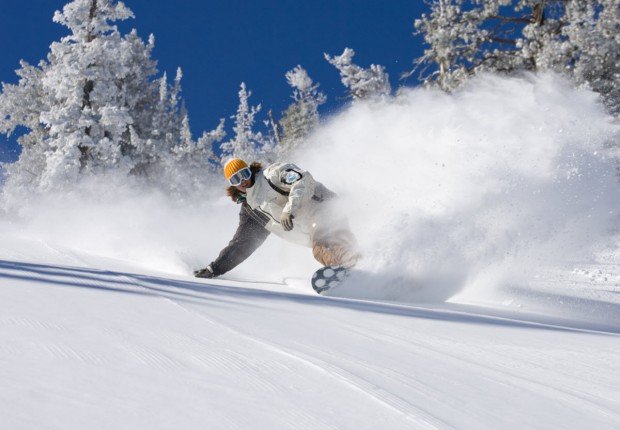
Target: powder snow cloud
445 192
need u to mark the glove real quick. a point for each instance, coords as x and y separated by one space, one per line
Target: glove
207 272
287 221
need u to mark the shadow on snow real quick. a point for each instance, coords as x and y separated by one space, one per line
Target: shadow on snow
208 292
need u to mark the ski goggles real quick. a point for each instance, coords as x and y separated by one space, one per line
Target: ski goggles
242 175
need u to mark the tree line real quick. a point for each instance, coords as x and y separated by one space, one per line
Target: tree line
96 104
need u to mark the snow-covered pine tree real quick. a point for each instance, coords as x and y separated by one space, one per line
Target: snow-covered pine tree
577 38
22 105
246 144
93 105
587 47
466 36
84 114
193 154
192 160
361 83
302 116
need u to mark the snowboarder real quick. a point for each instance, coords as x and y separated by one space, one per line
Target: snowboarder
285 200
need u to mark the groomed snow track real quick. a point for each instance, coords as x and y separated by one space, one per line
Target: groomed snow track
87 348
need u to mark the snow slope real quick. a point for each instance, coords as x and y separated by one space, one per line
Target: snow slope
96 348
489 295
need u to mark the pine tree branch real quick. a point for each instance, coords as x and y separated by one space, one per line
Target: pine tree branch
503 40
524 20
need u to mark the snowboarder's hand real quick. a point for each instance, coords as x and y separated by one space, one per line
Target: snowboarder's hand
207 272
287 221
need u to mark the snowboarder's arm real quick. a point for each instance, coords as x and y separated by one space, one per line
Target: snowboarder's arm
250 234
300 185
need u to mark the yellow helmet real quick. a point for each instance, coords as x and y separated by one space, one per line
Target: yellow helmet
232 166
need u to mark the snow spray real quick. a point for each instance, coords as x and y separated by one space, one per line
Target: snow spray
470 190
446 193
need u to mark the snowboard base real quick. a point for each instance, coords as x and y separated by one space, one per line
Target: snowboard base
328 277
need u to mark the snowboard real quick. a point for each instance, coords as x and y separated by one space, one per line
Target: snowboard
328 277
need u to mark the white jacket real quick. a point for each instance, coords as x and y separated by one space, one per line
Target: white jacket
292 190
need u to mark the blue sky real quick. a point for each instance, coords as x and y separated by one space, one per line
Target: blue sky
219 44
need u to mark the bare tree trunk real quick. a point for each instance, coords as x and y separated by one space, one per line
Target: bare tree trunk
91 17
89 86
538 13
